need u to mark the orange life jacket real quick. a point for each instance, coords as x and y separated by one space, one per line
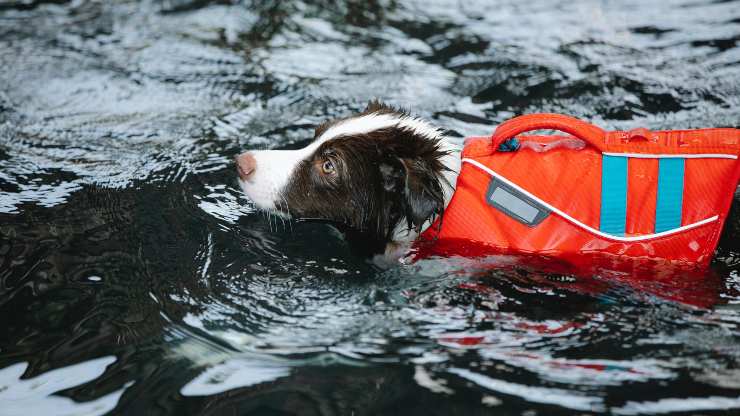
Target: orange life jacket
624 195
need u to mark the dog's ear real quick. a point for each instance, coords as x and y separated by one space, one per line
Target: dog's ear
422 192
393 174
415 186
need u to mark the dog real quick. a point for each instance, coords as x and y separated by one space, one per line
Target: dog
381 176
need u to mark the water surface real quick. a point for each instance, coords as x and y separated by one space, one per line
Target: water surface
135 277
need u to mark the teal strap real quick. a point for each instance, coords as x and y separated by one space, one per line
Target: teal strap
613 195
669 203
511 145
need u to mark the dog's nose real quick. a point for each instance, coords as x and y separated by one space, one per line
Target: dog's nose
246 164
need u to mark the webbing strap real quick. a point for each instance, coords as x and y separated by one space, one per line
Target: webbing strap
669 203
613 195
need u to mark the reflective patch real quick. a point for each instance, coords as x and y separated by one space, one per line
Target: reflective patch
515 204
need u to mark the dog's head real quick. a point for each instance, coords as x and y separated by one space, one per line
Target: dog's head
377 172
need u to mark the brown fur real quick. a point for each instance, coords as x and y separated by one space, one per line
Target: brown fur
382 179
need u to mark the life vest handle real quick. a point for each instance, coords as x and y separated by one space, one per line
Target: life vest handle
587 132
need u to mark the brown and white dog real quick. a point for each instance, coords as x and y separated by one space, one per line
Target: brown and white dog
382 175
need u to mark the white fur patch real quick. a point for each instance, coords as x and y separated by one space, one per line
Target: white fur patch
374 121
272 173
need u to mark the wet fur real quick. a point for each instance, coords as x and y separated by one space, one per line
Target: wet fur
385 179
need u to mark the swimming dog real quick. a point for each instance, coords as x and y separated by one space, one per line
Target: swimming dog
382 176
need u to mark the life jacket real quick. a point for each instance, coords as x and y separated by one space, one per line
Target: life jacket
591 194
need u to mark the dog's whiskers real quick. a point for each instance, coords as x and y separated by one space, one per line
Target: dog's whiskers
287 208
284 203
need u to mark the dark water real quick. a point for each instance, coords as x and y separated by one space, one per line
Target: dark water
136 279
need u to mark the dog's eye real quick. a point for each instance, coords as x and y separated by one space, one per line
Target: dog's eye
328 167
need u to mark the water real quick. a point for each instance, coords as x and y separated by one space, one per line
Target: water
136 277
